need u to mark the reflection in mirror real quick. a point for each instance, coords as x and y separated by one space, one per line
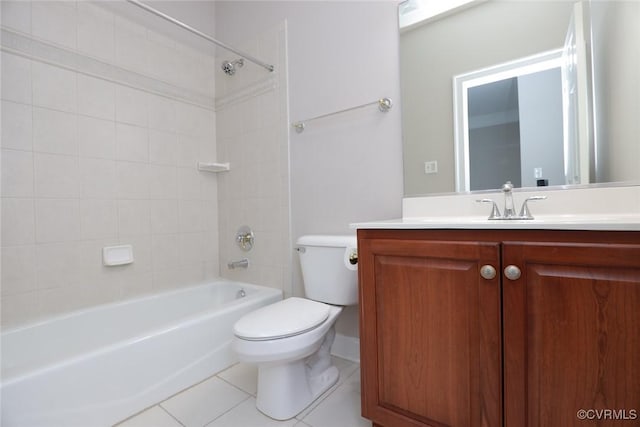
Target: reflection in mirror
509 125
495 32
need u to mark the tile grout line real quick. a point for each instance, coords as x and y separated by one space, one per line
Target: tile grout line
230 409
170 414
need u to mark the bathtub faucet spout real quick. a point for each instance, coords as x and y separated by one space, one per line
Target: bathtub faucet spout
243 263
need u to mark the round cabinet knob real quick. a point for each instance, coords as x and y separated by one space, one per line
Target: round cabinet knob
512 272
487 272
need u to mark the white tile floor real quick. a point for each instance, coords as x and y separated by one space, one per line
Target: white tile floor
228 400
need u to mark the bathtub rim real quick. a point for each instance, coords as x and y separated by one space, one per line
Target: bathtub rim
72 313
9 378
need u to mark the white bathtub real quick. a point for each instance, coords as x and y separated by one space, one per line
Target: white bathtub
98 366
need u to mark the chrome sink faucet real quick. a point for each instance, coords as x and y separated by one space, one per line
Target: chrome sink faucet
509 210
509 205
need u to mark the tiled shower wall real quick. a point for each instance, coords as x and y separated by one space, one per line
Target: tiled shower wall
253 135
103 121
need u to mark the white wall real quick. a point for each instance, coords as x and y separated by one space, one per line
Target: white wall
616 56
103 121
344 168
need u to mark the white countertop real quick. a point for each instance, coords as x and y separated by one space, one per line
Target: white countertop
589 208
620 222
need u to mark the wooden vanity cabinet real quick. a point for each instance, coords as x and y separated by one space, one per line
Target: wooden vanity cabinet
441 345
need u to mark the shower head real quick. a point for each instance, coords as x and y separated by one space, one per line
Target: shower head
229 67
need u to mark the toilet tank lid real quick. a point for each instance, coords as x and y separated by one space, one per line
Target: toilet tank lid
335 241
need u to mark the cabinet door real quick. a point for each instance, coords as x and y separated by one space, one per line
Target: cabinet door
429 333
572 334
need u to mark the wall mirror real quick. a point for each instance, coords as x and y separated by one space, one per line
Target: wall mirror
582 140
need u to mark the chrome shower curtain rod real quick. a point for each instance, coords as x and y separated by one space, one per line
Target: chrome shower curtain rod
201 34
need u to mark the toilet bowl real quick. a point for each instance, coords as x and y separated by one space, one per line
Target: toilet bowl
291 340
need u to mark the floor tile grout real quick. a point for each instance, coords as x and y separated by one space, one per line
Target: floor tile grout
170 414
350 368
230 409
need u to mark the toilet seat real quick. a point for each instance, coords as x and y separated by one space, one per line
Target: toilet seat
292 316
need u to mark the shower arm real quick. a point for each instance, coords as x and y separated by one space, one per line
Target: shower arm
201 34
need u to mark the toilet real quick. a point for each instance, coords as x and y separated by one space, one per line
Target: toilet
291 340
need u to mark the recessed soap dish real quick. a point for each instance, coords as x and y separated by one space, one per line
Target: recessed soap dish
117 255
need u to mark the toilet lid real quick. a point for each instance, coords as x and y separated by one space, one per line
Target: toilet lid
286 318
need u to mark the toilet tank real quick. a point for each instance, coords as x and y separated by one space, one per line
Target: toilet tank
327 272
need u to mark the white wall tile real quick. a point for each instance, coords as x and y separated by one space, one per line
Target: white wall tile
96 97
55 131
210 251
133 217
96 138
57 265
177 277
208 186
163 147
57 220
191 248
134 285
165 251
131 106
162 114
17 126
18 272
17 173
132 143
54 87
98 219
164 216
98 178
210 211
130 45
195 121
188 151
20 308
208 148
190 215
16 15
96 28
18 221
88 162
16 78
54 301
163 182
56 176
162 61
55 21
189 184
133 180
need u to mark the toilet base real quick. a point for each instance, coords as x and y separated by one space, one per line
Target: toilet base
286 389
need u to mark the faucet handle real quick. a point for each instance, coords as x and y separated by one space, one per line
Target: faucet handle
495 212
524 211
